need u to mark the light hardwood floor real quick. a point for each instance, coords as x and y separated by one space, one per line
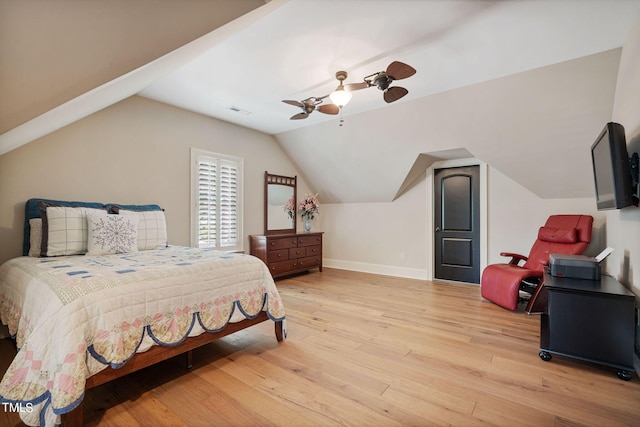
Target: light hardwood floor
368 350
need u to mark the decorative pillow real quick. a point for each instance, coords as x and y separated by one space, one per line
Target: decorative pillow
64 230
35 237
111 234
558 235
152 228
36 208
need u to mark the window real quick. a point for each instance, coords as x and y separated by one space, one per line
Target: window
216 200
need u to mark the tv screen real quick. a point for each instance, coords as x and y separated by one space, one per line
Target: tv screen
611 170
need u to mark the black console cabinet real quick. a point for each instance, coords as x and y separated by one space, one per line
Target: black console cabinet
591 320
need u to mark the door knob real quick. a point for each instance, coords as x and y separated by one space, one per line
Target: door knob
437 229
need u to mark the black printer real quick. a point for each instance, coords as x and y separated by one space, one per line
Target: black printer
574 266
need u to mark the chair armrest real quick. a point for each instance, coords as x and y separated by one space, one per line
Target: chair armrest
515 258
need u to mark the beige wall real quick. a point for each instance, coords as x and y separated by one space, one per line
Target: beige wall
623 226
137 151
373 237
391 238
515 214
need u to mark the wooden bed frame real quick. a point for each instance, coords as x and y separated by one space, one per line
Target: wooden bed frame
156 353
159 353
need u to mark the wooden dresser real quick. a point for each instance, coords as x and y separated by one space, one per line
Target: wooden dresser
288 253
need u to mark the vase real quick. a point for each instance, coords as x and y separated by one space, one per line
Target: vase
307 225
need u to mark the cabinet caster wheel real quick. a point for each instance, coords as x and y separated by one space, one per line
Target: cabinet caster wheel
545 355
624 375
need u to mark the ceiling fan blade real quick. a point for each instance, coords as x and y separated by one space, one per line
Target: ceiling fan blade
299 116
356 86
394 93
399 70
291 102
329 109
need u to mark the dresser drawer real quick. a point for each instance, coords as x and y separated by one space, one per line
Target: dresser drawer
310 262
297 253
313 250
277 268
310 240
281 243
278 255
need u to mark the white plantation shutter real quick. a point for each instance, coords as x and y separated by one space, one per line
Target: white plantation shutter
217 201
228 203
207 203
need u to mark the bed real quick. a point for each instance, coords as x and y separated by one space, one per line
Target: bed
98 293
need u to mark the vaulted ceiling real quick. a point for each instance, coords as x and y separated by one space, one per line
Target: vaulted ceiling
522 85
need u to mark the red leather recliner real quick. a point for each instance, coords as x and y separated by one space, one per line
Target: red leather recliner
561 234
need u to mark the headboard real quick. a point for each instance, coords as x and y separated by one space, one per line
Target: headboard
32 210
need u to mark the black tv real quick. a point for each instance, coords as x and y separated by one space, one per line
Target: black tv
611 170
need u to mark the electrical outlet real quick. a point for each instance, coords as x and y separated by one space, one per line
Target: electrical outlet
403 255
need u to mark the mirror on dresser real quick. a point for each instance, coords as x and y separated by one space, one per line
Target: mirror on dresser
278 190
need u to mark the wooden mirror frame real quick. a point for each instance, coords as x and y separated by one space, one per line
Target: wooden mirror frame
271 179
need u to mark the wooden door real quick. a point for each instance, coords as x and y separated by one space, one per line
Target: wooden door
457 224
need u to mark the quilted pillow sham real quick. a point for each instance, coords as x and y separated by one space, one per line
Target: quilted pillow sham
152 228
64 230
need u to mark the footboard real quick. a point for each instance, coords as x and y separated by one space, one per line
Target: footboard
159 353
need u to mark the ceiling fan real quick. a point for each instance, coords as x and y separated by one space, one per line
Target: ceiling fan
309 105
382 80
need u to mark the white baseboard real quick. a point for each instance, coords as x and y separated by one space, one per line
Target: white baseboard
387 270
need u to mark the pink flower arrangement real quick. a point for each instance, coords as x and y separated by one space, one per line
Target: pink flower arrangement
290 208
309 206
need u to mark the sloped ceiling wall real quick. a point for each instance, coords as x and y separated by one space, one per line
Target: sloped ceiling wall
54 51
536 127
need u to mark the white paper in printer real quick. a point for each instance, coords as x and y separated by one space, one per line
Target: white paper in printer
602 255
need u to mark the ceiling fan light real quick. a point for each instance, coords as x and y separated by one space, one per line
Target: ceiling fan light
340 97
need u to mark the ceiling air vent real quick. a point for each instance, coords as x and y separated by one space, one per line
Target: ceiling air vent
240 111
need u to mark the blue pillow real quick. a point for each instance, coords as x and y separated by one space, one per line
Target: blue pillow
115 207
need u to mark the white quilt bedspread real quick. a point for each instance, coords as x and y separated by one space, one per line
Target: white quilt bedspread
73 316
